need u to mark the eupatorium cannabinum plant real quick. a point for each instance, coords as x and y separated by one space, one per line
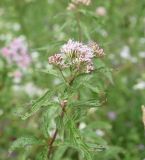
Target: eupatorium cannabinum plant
65 105
78 67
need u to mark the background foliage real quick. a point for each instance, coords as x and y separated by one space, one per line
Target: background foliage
47 24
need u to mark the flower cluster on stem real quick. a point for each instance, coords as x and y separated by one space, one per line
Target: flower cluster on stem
75 3
77 56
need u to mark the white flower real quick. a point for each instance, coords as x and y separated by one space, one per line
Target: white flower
101 11
1 112
100 133
82 125
142 54
139 86
125 53
32 90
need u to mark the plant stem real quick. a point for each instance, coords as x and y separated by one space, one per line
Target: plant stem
63 105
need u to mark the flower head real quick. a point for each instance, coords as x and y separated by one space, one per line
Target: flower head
75 3
56 59
101 11
16 52
76 55
99 52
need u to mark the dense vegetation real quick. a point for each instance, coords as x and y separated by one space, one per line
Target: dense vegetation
104 105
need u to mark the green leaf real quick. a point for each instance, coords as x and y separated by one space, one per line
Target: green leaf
47 120
75 140
92 88
86 103
112 151
101 68
36 105
24 141
60 152
51 71
42 155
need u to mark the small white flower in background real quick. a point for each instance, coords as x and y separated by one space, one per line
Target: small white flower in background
100 133
1 112
16 26
101 11
55 99
82 125
17 88
56 81
142 40
35 55
125 53
92 110
32 90
142 54
139 86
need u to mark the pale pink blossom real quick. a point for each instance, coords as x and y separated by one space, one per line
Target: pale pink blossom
16 52
5 52
77 55
17 74
101 11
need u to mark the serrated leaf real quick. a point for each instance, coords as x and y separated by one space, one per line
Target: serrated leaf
101 68
92 88
36 105
51 72
24 141
75 140
86 103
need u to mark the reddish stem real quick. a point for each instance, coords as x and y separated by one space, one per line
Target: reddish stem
63 105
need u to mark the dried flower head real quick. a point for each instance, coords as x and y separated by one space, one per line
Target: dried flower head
75 3
56 59
84 2
71 7
101 11
77 56
99 52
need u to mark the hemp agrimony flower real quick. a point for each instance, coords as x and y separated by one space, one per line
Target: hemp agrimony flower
75 3
77 56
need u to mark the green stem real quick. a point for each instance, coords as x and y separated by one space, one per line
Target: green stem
56 132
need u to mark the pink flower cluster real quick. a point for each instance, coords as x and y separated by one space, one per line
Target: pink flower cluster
17 53
77 56
75 3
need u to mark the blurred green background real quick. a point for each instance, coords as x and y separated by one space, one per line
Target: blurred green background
119 28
